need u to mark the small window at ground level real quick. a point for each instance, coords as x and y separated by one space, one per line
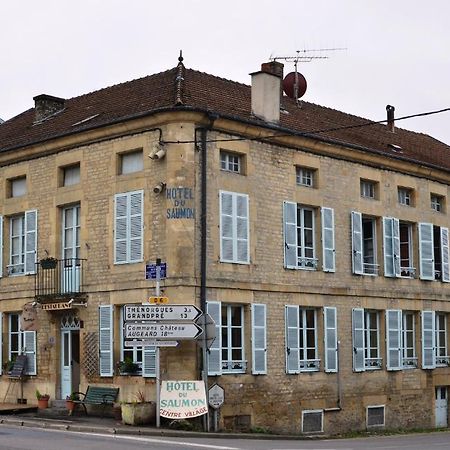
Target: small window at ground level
375 416
305 176
312 421
437 202
131 162
18 187
368 189
230 162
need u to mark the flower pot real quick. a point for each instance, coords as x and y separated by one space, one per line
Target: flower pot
49 263
138 413
70 405
43 403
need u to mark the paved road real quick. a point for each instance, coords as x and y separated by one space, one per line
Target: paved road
22 438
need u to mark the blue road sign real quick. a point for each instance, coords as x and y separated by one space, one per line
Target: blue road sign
150 271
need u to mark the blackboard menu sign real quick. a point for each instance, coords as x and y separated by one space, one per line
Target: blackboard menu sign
18 369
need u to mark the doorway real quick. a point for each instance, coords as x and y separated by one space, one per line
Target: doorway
70 355
441 407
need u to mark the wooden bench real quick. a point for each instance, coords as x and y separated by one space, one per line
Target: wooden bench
97 395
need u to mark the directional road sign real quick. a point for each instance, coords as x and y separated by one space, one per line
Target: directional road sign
209 327
161 313
151 343
162 331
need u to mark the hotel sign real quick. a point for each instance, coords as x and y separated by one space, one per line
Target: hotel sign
56 306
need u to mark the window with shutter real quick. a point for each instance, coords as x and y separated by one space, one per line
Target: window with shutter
106 340
388 246
409 357
1 342
292 339
358 339
149 362
328 243
290 234
129 226
407 268
441 356
234 228
21 343
29 341
426 251
259 345
30 241
330 339
1 246
135 354
445 256
214 353
428 340
393 339
357 243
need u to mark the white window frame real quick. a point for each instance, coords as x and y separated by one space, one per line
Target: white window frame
437 202
368 189
21 343
303 261
304 176
404 196
230 162
312 411
131 162
441 340
369 268
71 250
17 260
409 355
406 270
136 353
230 365
367 415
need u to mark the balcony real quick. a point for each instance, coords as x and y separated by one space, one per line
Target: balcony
59 278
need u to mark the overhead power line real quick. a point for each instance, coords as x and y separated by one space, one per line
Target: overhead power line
312 132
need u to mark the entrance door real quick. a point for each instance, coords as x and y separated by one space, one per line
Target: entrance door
441 407
70 362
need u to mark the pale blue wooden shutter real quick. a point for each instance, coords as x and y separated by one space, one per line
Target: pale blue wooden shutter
358 339
226 227
396 246
136 226
388 247
328 242
105 323
330 339
214 309
29 344
428 340
445 270
120 228
1 342
357 244
426 251
393 339
30 241
1 246
242 229
290 234
149 362
259 344
292 339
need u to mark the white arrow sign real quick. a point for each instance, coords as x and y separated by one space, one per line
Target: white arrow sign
151 343
163 331
161 312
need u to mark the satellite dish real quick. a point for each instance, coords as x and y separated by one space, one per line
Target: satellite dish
290 88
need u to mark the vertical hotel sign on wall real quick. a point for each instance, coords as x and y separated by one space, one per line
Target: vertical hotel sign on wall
180 203
183 399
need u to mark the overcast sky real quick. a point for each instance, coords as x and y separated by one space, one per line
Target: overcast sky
397 51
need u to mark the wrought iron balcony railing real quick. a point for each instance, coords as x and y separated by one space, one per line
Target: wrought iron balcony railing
59 277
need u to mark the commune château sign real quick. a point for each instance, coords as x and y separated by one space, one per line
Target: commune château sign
170 331
161 312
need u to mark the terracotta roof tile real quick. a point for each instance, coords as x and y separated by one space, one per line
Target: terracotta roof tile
203 91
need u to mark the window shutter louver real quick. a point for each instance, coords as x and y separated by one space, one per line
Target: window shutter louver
136 226
290 234
445 255
388 247
426 251
292 340
259 345
242 229
330 339
29 341
358 339
120 228
106 340
214 309
149 362
428 340
396 246
1 343
357 245
1 246
226 227
328 241
393 335
30 241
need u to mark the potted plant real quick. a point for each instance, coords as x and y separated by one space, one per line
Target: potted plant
42 399
48 263
139 411
127 367
70 401
8 366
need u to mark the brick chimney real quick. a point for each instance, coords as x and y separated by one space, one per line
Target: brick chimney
266 91
46 105
390 118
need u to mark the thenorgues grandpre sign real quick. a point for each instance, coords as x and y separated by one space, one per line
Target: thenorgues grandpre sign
180 202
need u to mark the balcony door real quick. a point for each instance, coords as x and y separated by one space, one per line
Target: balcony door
71 249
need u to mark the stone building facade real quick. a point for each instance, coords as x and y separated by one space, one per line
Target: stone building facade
316 240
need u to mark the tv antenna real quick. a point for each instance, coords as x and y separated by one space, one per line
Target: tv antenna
294 83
